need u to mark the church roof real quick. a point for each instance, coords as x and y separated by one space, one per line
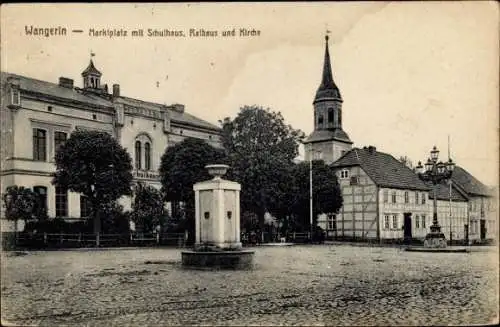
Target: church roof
327 89
57 91
327 135
469 183
91 70
382 168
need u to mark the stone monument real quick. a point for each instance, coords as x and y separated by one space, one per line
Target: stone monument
217 224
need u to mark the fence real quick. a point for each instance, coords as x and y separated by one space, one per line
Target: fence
65 240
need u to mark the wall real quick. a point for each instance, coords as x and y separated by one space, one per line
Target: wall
388 208
358 216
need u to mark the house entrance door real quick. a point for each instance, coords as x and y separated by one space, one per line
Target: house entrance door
407 227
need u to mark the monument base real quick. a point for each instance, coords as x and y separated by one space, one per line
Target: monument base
221 259
435 240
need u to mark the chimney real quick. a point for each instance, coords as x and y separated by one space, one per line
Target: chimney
372 149
178 107
116 90
66 82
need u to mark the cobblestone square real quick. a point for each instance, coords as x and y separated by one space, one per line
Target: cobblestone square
298 285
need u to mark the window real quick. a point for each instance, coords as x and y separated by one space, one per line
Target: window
147 155
320 120
393 197
61 202
85 206
339 117
138 154
344 173
39 144
395 221
416 197
94 116
423 198
49 108
59 139
386 196
423 221
332 222
330 115
417 221
407 197
354 180
16 97
386 222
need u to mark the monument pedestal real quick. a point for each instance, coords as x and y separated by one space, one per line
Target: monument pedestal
435 239
217 224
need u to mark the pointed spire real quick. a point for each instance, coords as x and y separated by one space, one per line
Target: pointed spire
327 89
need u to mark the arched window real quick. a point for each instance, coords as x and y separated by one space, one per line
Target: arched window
138 155
339 117
320 121
330 115
147 155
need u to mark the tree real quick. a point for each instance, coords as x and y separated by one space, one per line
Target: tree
181 167
406 161
19 203
261 148
148 208
94 164
327 196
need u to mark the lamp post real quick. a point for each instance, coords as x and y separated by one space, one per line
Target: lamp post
311 214
435 172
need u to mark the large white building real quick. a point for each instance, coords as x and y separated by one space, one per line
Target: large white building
382 198
37 116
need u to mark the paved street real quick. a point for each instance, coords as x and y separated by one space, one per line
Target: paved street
298 285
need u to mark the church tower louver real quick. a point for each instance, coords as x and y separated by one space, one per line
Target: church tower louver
328 137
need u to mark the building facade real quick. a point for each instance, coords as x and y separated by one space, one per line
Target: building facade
37 116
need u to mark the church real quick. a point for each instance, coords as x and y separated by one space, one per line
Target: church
383 199
38 116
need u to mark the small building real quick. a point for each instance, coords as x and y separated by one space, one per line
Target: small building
482 213
380 195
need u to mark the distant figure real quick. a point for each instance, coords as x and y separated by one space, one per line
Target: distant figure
283 239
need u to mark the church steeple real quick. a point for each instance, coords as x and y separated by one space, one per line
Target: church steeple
328 135
327 90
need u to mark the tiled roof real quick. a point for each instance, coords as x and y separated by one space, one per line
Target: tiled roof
469 183
54 90
175 116
443 192
382 168
326 134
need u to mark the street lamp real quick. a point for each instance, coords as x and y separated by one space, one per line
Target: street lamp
435 172
311 157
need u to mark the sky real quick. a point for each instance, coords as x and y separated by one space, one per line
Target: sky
410 73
